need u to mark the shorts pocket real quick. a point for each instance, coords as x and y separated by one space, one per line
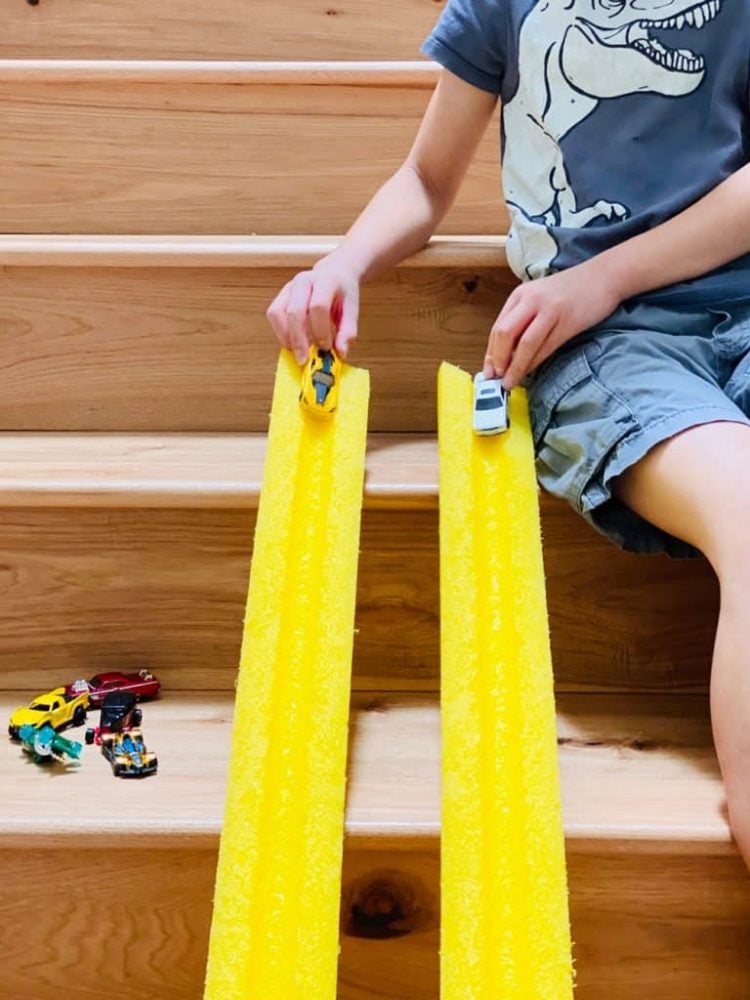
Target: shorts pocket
577 421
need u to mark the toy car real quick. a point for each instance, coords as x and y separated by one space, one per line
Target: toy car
319 394
57 708
142 684
127 754
118 715
45 745
490 406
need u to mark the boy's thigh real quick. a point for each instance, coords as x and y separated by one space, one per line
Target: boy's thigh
695 485
605 402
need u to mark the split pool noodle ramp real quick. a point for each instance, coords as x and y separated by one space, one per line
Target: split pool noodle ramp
276 907
505 929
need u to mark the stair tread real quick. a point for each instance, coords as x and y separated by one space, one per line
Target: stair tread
53 250
637 772
187 470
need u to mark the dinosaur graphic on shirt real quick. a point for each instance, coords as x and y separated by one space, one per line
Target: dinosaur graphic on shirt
573 54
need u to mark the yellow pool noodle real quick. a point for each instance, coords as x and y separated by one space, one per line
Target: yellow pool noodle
275 925
505 925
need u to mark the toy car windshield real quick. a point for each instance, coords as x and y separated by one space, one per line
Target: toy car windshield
323 379
489 404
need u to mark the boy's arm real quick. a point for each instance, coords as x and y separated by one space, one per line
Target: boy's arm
539 316
709 233
321 305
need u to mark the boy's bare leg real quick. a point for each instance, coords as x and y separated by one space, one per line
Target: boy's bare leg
696 486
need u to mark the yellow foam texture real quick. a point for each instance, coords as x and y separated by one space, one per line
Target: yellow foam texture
505 926
274 934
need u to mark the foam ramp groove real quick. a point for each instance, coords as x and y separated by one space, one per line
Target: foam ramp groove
505 925
276 908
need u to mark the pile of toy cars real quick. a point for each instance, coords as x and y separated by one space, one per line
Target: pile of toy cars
37 726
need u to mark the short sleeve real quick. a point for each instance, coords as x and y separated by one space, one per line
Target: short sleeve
468 39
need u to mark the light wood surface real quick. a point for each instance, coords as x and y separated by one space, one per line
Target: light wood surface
189 348
676 926
119 549
313 72
636 772
658 896
208 157
114 588
40 250
215 29
216 471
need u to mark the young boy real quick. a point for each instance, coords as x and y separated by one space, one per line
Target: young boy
626 130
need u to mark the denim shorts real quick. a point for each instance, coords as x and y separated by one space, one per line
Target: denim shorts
615 391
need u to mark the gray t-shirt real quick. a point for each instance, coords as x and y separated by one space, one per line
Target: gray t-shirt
616 115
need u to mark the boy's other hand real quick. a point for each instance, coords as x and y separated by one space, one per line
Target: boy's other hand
539 316
320 307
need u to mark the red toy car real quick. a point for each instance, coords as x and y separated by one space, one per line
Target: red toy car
143 685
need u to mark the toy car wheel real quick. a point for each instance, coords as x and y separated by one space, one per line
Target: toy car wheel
117 770
89 737
137 717
79 716
13 732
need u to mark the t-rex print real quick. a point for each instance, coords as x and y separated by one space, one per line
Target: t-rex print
572 54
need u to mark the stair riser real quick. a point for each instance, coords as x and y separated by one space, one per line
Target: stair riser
677 926
214 29
190 349
125 157
86 590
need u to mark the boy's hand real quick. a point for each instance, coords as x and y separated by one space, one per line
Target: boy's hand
320 307
541 315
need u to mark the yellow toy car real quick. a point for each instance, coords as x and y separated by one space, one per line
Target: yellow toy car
319 394
56 707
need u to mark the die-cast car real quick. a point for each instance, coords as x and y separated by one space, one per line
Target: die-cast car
490 406
142 684
119 714
321 377
57 707
127 754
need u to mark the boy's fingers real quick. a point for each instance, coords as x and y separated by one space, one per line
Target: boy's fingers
547 347
347 331
321 321
488 368
506 332
534 336
298 319
276 315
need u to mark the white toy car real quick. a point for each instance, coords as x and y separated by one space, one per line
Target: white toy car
490 405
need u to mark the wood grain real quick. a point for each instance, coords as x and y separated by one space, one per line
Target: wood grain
44 250
214 29
190 349
215 158
668 914
192 471
638 775
677 929
114 587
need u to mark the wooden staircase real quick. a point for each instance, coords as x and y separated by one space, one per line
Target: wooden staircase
136 371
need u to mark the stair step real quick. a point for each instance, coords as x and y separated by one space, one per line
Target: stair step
169 333
658 893
119 549
135 29
216 471
194 148
50 250
637 772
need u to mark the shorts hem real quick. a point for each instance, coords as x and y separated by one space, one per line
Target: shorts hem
612 518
